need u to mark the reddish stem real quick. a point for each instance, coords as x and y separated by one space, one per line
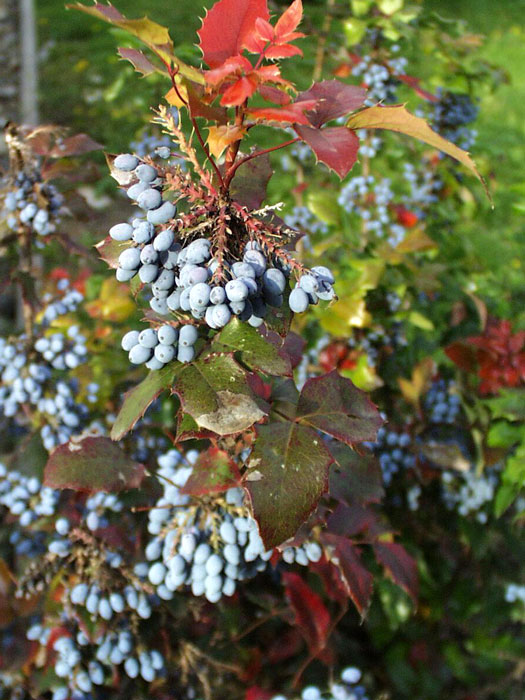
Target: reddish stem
231 172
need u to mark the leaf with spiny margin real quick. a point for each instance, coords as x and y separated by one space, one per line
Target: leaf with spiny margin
138 399
356 579
354 477
287 475
334 405
92 464
153 35
396 118
254 351
400 565
139 61
215 392
213 472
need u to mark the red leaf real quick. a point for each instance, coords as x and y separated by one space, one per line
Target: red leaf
256 693
231 66
333 99
463 355
400 565
213 472
335 146
289 20
311 614
227 28
352 520
239 92
293 113
275 95
284 51
333 585
357 580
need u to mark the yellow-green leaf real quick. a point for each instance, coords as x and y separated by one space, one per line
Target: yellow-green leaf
397 118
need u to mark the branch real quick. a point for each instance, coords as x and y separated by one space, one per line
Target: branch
231 172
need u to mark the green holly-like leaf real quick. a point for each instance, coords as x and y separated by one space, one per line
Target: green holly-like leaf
279 319
92 464
396 118
153 35
337 407
254 351
215 392
138 399
287 475
213 472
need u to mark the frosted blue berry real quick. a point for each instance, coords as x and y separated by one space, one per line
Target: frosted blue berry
126 162
162 215
121 232
298 300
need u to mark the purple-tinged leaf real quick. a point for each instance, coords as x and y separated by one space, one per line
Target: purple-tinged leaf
355 478
334 100
138 399
335 146
213 472
92 464
139 61
334 405
400 565
351 520
287 475
357 580
249 184
311 615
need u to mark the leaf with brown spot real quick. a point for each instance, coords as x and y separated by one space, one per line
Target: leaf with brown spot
92 464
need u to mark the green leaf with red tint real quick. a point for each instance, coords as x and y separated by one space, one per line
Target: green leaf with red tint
356 579
215 392
138 399
354 477
250 182
139 61
333 100
400 565
287 475
311 615
227 28
253 349
335 146
213 472
337 407
92 464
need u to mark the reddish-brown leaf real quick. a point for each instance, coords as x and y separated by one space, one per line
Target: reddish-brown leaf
227 28
250 183
355 478
463 355
333 100
333 585
311 614
334 146
256 693
350 521
357 580
92 464
400 565
199 108
213 472
275 95
235 65
74 146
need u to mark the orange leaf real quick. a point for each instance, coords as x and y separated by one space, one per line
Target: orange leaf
219 137
231 66
289 20
284 51
239 92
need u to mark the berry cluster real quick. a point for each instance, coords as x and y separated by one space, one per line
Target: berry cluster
469 493
452 114
392 451
25 497
28 202
83 663
32 374
207 550
348 688
157 347
188 274
441 402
